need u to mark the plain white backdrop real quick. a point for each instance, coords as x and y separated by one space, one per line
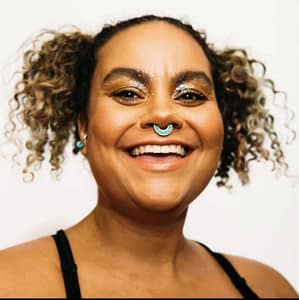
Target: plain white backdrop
259 221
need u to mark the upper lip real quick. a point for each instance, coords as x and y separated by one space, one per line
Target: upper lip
185 144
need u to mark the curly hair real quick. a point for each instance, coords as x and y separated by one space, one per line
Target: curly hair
55 84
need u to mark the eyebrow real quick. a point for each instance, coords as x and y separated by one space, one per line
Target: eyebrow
145 78
137 75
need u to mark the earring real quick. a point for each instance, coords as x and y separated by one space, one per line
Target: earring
79 144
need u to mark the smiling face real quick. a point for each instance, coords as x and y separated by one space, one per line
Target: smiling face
153 73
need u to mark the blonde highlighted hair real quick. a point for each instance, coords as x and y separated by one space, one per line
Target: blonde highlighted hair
55 85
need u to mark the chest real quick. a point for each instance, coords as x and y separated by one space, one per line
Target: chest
120 285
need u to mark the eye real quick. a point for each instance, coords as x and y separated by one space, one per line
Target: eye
191 97
128 96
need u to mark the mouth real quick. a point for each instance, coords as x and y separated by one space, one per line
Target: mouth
159 153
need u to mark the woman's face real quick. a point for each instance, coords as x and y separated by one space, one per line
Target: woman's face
152 73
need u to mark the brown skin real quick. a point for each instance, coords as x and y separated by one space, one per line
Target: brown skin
132 244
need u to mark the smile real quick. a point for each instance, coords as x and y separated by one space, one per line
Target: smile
158 150
153 157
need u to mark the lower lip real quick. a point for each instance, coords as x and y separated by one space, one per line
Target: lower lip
154 163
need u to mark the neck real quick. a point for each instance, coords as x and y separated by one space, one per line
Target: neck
124 241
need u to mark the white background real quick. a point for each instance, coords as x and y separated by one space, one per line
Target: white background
258 221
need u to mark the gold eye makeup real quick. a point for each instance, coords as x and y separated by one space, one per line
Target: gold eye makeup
126 92
189 94
130 86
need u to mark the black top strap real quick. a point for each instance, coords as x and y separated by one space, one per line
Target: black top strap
238 281
69 269
68 266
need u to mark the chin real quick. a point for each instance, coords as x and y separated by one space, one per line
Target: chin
160 200
159 205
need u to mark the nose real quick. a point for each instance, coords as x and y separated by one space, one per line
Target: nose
161 112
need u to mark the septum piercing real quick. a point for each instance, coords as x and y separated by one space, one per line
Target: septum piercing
163 131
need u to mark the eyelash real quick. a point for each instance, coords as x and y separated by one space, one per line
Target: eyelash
123 94
132 97
199 97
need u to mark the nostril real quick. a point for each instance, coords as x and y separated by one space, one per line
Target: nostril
162 118
164 125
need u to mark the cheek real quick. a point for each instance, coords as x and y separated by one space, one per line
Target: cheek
108 121
213 128
208 124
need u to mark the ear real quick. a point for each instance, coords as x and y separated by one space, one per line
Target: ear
82 131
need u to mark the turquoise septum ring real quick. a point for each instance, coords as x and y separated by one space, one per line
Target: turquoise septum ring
163 131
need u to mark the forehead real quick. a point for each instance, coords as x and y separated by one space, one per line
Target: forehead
157 48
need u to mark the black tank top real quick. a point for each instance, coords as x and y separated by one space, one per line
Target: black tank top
71 282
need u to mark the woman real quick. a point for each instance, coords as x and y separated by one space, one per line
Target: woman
157 112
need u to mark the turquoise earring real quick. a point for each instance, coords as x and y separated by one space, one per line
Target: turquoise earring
79 145
163 131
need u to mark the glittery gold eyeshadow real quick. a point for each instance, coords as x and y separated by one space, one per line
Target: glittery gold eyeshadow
188 92
124 90
190 88
197 80
196 85
122 83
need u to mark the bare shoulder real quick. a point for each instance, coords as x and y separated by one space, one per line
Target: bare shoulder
263 279
30 269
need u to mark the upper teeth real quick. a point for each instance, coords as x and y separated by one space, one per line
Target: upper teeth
177 149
